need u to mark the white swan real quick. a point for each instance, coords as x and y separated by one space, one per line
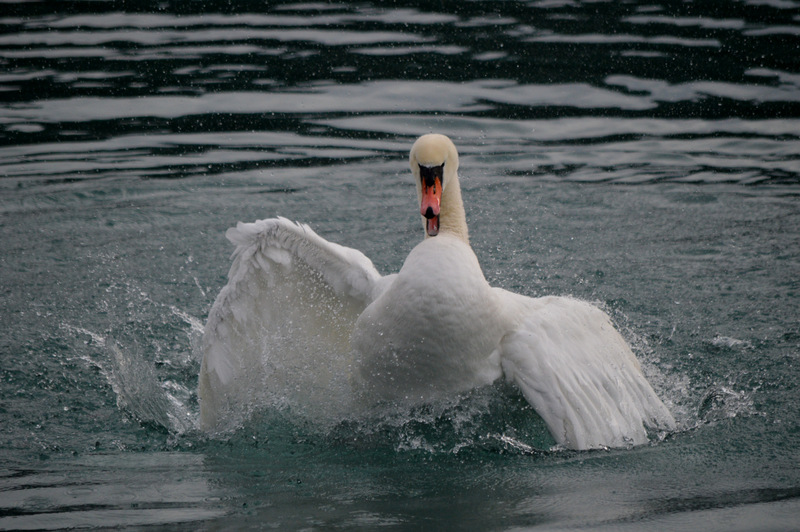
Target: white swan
310 322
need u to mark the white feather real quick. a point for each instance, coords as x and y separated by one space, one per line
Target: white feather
579 375
290 304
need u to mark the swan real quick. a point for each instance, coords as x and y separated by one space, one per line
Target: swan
311 322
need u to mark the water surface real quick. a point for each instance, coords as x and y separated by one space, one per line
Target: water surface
642 156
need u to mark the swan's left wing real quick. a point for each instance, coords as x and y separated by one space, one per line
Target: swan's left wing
279 331
579 374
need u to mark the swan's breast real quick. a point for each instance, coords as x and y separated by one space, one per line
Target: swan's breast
434 329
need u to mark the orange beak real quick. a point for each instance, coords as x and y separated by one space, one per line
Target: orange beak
430 205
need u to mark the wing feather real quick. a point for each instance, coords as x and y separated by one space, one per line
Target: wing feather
579 374
279 331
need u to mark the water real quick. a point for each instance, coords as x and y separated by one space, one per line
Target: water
643 156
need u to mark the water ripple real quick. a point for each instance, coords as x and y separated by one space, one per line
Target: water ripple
659 91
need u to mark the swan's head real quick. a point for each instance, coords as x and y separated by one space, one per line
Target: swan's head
434 163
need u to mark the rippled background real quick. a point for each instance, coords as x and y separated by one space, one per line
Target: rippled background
644 156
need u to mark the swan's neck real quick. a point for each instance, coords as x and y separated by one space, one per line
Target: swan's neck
453 219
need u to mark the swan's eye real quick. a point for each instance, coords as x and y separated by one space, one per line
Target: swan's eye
429 174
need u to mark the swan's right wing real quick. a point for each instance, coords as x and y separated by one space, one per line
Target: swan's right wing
579 374
279 331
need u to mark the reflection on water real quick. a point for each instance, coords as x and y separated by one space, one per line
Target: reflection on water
131 136
129 490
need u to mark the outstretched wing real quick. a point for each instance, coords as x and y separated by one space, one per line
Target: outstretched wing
279 331
580 376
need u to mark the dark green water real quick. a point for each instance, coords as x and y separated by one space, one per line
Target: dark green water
643 156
